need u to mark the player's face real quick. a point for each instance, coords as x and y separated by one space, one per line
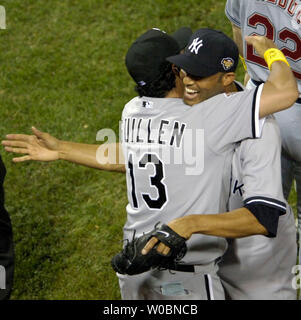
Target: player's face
197 89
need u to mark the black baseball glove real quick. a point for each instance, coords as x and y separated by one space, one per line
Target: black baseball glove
131 261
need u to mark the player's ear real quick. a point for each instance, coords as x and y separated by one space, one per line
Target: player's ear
228 78
176 70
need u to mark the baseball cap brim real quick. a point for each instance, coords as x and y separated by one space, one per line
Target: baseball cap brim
182 36
191 64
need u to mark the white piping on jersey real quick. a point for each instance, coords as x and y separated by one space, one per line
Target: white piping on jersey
258 124
269 202
208 277
236 22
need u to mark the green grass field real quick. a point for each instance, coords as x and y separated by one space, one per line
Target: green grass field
62 70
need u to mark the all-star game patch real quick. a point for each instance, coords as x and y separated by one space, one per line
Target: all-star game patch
227 63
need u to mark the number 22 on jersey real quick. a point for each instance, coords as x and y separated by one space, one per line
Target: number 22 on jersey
283 36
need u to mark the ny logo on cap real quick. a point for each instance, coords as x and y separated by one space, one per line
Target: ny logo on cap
195 45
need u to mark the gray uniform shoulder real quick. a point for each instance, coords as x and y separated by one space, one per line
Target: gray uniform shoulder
229 118
257 166
232 11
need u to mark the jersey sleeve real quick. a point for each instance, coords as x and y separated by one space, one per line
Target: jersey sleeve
232 11
261 176
261 167
233 118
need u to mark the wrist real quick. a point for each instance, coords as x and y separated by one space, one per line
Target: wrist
183 226
191 224
271 55
62 149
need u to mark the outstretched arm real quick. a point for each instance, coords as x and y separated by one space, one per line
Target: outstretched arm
41 146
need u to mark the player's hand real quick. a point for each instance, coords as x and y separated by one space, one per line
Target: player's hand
162 248
47 140
181 226
40 146
260 43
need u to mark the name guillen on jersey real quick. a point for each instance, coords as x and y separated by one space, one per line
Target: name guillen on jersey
140 130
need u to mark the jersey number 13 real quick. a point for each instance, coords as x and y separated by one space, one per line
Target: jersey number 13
155 181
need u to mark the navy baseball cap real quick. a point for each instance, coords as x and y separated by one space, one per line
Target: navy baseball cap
182 36
207 53
146 57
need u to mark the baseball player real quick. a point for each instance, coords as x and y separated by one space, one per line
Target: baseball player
256 267
155 183
6 244
279 21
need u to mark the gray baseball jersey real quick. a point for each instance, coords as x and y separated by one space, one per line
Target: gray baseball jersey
258 267
278 21
179 159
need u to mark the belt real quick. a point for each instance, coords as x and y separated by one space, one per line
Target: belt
258 83
182 267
